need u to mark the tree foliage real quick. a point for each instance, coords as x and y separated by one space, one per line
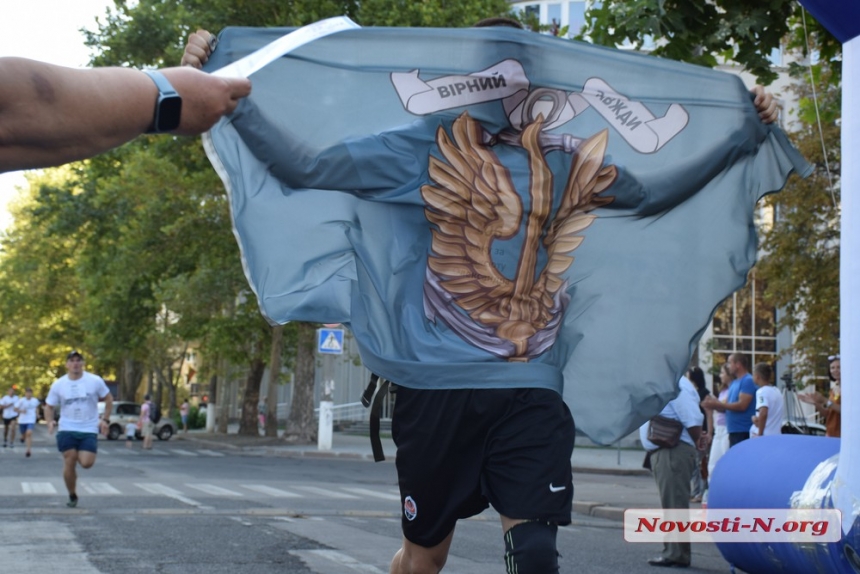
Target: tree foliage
801 250
703 33
800 265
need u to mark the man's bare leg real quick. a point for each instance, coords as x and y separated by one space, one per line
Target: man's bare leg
29 440
415 559
86 458
70 475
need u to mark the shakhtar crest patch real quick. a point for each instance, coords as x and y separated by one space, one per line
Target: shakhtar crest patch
410 510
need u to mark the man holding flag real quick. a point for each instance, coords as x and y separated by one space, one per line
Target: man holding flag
445 242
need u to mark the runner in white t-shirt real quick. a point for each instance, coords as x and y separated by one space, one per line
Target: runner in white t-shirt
77 393
8 403
769 404
27 408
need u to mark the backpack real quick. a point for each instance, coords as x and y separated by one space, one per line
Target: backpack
154 413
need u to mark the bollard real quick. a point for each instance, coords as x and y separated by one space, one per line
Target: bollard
325 427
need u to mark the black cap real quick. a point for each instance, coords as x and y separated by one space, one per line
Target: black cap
74 354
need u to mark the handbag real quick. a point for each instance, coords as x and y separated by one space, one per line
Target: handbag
665 432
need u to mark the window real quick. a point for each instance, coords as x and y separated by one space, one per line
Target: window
575 17
553 18
744 323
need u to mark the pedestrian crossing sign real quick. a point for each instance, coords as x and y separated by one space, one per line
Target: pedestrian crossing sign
330 341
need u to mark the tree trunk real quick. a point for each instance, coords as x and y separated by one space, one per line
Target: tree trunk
300 424
223 384
272 387
248 425
129 379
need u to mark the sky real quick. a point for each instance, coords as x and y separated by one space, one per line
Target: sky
47 30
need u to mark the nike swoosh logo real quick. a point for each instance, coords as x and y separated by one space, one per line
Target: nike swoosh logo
556 488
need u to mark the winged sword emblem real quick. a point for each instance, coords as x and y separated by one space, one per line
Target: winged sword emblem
472 203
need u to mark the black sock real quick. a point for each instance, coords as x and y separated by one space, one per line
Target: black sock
73 497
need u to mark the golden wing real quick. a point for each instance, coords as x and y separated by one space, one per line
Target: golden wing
588 178
472 203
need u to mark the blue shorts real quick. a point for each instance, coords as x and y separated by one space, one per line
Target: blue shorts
71 440
24 427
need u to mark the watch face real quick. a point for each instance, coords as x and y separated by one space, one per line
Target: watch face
169 113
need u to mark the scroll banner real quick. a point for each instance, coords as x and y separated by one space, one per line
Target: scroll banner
507 81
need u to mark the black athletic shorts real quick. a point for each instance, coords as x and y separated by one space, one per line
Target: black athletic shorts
460 450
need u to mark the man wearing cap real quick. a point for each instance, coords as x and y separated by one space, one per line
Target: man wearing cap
77 393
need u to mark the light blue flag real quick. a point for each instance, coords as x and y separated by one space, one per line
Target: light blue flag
495 208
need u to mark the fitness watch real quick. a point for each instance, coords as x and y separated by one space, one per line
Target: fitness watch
168 106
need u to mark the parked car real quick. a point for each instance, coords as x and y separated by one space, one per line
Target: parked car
125 411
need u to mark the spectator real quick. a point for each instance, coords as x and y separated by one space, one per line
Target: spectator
719 437
830 408
769 404
147 426
699 481
672 467
130 432
740 405
184 409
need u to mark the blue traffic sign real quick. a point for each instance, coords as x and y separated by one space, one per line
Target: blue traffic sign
330 341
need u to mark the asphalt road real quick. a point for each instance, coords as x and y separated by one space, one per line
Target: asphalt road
185 509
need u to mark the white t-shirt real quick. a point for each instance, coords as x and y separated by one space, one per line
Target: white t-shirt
78 401
130 430
770 397
32 406
9 406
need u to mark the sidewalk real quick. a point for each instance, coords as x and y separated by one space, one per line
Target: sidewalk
603 491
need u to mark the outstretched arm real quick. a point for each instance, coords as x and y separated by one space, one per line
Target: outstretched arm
51 115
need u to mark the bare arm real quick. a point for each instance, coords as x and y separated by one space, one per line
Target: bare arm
761 420
49 418
50 115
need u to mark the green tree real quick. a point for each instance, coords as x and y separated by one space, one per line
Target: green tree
703 33
801 250
800 265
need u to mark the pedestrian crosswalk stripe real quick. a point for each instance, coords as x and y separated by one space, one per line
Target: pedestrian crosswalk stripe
269 491
183 452
214 490
38 488
373 493
98 488
324 492
156 488
346 561
210 452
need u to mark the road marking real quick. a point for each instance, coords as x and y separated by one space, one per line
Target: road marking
373 493
210 452
269 491
183 452
38 488
153 452
98 488
324 492
47 545
214 490
345 560
162 490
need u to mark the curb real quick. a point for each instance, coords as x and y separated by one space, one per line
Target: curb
598 510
